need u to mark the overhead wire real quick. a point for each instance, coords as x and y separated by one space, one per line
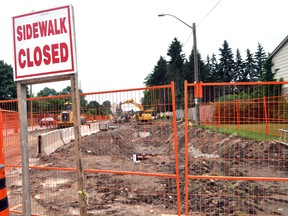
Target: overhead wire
192 31
203 20
209 12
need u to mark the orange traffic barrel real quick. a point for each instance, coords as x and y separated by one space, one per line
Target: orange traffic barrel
4 206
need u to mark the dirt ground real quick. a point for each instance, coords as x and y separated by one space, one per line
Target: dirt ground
210 153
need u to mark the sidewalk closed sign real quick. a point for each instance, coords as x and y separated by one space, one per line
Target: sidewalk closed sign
44 43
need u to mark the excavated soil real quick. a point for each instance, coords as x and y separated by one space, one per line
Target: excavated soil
210 154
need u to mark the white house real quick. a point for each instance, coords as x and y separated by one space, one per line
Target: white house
279 58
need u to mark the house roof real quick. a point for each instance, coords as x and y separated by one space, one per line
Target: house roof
278 47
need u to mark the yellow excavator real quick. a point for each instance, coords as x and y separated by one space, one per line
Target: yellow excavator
143 115
65 119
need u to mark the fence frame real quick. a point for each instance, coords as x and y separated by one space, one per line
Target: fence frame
175 176
198 87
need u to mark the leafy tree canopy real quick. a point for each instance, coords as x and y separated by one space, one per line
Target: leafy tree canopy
47 92
8 89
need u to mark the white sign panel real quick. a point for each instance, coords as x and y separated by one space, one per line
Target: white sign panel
44 43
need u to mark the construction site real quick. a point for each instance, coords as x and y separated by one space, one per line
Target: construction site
142 156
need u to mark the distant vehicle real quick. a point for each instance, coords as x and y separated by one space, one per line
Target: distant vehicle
47 122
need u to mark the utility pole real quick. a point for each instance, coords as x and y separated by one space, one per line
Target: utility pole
196 67
196 75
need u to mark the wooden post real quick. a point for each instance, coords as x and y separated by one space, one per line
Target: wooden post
23 124
77 130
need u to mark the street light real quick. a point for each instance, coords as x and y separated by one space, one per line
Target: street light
196 71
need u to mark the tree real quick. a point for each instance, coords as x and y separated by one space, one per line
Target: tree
8 89
214 69
202 69
50 104
47 92
66 90
239 68
208 67
83 101
260 57
189 73
250 68
159 74
57 103
268 90
176 61
175 70
226 63
106 107
94 108
157 77
267 74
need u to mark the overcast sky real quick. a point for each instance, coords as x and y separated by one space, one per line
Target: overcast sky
120 41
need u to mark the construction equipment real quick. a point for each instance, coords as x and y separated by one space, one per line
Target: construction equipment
143 115
118 116
65 119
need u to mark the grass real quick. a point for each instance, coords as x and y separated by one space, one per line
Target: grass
252 131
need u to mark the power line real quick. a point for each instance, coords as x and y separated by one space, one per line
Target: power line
209 13
183 45
201 22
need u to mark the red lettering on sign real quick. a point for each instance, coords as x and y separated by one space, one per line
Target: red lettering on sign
62 25
57 31
21 60
29 61
41 29
64 52
28 32
37 56
53 54
35 30
50 28
47 57
19 33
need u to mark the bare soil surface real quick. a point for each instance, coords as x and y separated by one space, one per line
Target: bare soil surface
107 153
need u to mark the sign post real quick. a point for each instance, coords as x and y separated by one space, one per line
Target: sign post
22 108
77 132
45 51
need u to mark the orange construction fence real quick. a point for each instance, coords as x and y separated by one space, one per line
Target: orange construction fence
130 166
229 163
234 162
